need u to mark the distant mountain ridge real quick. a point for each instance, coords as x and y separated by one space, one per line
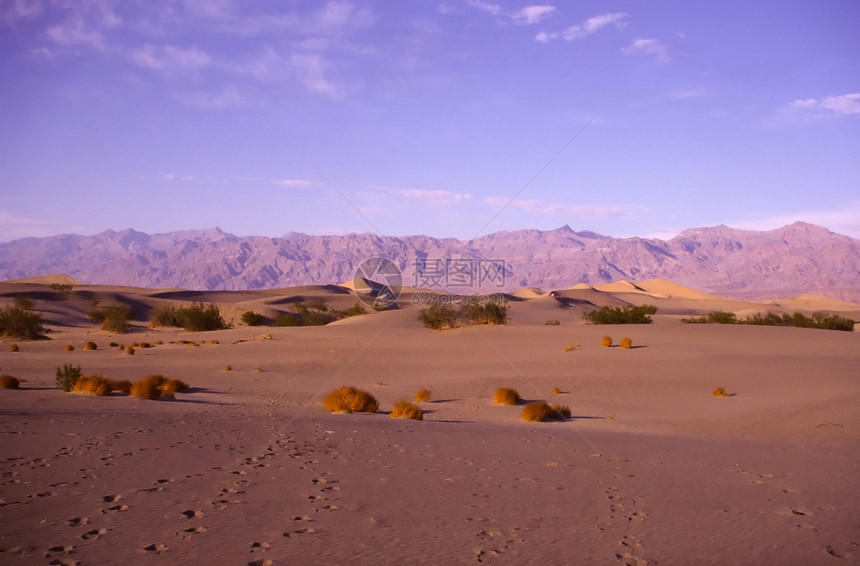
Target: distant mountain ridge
795 259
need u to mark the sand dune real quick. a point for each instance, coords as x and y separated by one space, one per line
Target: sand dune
248 468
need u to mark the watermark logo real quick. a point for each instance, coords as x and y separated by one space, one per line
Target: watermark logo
378 282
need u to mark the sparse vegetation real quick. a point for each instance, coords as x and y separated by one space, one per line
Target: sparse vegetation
148 389
94 384
406 410
350 400
354 310
314 314
797 319
14 348
441 316
541 411
552 322
422 395
130 350
113 318
626 343
163 315
620 315
570 348
67 376
506 396
199 318
438 317
606 341
721 392
252 318
19 321
9 382
62 288
69 348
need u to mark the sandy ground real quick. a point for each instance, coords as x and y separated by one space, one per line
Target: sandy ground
248 468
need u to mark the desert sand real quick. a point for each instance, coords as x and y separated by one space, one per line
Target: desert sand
247 467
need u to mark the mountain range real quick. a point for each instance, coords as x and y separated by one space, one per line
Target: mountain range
792 260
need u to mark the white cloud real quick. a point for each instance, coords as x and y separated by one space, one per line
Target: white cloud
492 9
169 57
532 14
593 25
75 31
437 197
649 48
844 221
545 37
536 206
20 10
293 183
843 104
14 226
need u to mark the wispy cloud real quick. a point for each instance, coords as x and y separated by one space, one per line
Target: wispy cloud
652 48
532 14
175 177
844 221
537 206
829 105
593 25
488 7
169 57
14 226
16 10
293 183
436 197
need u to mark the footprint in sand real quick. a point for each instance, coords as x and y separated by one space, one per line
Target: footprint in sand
115 509
77 521
156 548
93 534
110 498
263 562
298 532
60 549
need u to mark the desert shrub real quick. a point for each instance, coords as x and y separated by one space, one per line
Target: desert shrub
288 319
354 310
800 320
144 345
14 348
316 318
422 395
552 322
228 367
113 318
19 321
62 288
438 316
407 410
90 346
472 312
9 382
317 305
606 341
198 318
720 392
542 411
556 391
314 314
95 384
67 376
506 396
113 345
174 386
252 318
145 388
713 317
163 315
626 343
130 350
69 348
620 315
350 400
214 342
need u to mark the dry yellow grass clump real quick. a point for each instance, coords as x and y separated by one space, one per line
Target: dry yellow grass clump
69 348
155 386
570 348
90 346
95 384
350 400
130 350
720 392
9 382
407 410
626 343
556 391
541 411
14 348
606 341
146 389
422 395
506 396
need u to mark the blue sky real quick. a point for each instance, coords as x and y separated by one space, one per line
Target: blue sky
625 118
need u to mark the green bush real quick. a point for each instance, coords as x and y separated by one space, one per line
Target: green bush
797 319
713 317
354 310
198 318
488 313
438 316
113 319
252 318
621 315
19 321
163 315
314 314
68 376
62 288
